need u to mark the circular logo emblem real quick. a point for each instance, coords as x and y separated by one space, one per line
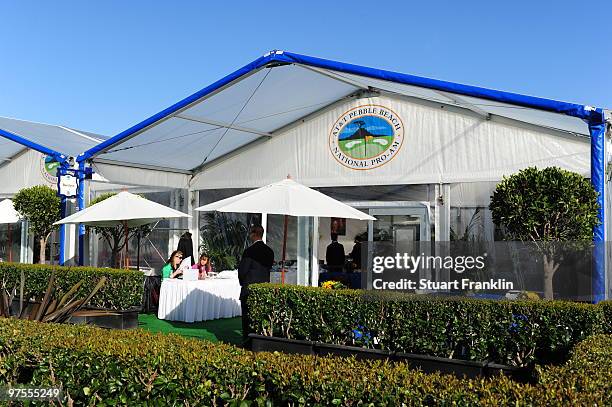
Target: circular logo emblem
366 137
48 168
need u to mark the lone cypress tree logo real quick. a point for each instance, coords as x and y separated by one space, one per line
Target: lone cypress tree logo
366 137
48 168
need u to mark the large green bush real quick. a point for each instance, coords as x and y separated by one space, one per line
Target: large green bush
123 288
100 367
518 333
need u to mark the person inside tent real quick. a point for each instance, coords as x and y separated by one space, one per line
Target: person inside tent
185 245
334 256
203 266
355 254
171 268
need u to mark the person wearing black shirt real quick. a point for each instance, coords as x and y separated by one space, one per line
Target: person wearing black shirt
254 267
334 256
356 253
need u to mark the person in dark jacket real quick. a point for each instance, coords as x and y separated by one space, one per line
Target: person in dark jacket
254 267
355 254
334 256
185 246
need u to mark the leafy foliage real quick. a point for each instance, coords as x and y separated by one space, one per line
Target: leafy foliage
223 239
545 205
123 288
114 236
40 206
508 332
137 368
53 306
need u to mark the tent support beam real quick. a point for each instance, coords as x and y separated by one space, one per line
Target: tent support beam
465 104
139 166
223 125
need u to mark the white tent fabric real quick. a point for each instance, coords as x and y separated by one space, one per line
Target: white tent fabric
23 167
286 197
123 208
131 177
439 146
59 138
8 214
268 101
24 171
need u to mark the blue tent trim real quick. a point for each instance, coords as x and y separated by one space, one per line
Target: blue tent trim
598 180
586 113
59 157
571 109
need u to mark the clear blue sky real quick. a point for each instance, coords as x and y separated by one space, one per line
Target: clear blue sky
103 66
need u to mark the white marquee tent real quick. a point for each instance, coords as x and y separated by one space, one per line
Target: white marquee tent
276 116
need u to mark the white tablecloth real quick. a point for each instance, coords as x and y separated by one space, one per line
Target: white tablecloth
201 300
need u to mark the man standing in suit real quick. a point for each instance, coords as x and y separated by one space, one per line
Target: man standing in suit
334 256
254 267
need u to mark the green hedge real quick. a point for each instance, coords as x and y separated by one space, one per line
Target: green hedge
517 333
123 288
101 367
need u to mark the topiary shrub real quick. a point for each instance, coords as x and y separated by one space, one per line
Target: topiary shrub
40 206
546 206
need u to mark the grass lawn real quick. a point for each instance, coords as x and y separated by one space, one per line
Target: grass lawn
228 330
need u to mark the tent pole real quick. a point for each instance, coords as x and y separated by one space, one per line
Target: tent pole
9 245
284 249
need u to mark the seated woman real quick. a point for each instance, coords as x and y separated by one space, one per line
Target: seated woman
170 269
203 266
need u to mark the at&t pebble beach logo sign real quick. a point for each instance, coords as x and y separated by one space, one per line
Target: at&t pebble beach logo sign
48 168
366 137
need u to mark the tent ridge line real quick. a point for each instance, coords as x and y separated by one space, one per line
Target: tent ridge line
581 111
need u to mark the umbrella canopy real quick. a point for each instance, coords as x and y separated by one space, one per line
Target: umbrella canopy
8 214
286 197
124 208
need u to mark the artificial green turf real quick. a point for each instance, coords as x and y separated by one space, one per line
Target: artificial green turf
228 330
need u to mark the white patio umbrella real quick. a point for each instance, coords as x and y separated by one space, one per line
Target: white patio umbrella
125 209
288 198
9 215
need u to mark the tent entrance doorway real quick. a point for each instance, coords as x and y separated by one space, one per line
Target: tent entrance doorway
400 223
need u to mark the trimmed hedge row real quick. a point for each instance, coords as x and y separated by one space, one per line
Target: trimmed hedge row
123 288
100 367
517 333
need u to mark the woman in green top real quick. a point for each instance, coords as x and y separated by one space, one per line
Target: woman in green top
170 268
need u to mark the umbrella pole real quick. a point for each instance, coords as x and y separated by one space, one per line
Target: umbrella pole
138 251
284 249
127 231
9 245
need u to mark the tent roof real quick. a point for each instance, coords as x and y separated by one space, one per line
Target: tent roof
281 88
46 138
